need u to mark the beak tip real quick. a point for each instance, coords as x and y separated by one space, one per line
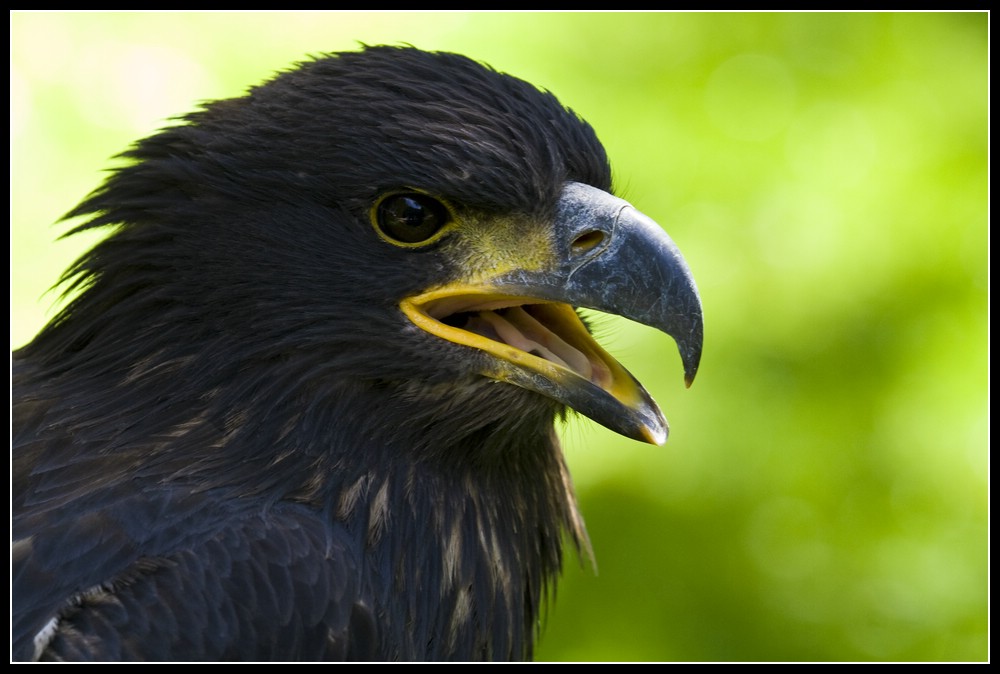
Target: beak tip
657 436
690 350
691 363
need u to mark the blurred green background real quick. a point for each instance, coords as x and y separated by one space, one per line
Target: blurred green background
824 493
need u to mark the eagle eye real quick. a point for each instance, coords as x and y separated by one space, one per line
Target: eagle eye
410 217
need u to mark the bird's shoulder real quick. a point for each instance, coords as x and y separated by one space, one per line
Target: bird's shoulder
172 576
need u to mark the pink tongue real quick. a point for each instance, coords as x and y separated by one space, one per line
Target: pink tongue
519 329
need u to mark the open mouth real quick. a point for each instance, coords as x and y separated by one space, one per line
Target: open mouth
550 331
543 346
546 337
518 327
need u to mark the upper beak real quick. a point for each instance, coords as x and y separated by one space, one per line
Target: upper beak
607 256
616 260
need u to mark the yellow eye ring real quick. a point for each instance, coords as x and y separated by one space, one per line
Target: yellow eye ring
410 218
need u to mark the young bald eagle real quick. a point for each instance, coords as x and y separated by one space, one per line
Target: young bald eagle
302 407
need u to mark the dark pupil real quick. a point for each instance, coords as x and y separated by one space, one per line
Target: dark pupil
410 218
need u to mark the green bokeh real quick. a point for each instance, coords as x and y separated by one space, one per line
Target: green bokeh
824 495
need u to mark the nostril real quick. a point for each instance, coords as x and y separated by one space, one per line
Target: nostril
587 242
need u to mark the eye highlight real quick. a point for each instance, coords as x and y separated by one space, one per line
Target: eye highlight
410 218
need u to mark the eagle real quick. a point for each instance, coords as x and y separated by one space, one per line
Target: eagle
301 405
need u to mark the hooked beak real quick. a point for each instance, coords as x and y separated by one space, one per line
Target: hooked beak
608 257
